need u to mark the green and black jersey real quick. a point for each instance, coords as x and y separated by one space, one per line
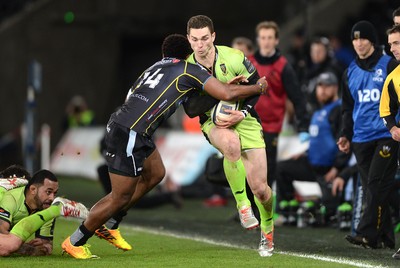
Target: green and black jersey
13 209
228 63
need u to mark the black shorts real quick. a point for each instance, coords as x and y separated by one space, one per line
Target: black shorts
126 150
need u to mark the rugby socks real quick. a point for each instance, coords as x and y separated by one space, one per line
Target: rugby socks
27 226
236 176
80 236
113 223
266 213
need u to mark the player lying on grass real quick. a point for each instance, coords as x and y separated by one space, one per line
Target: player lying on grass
32 209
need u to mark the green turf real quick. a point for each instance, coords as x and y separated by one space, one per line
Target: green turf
158 250
196 221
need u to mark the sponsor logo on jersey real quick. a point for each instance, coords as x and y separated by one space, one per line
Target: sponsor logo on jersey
378 76
140 97
157 110
249 66
223 68
4 213
385 152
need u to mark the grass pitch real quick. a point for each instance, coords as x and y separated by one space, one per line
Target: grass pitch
195 236
160 249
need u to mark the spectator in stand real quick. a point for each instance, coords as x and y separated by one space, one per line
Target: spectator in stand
283 84
244 44
318 165
297 52
77 114
348 202
372 144
396 16
342 178
342 53
321 60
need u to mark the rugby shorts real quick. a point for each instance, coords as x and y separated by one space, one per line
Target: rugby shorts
126 150
249 131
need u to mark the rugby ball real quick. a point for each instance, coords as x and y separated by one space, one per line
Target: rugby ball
218 111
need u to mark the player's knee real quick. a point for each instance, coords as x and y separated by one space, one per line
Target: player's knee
269 193
232 150
262 192
160 174
121 200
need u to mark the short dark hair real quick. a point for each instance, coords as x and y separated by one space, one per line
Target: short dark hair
394 29
396 12
15 170
176 46
199 22
40 176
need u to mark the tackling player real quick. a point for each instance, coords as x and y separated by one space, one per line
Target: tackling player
134 163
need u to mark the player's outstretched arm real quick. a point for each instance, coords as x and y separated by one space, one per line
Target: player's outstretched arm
233 92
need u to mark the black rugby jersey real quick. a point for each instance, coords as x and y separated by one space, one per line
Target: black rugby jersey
158 92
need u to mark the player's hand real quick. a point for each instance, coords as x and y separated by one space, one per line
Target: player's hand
331 174
262 82
42 247
238 79
337 185
343 144
36 242
395 131
234 118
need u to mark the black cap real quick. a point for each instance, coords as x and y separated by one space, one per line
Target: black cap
364 29
327 78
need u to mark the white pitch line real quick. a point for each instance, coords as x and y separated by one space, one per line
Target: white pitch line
226 244
332 259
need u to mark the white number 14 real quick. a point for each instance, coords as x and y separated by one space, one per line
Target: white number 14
152 80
